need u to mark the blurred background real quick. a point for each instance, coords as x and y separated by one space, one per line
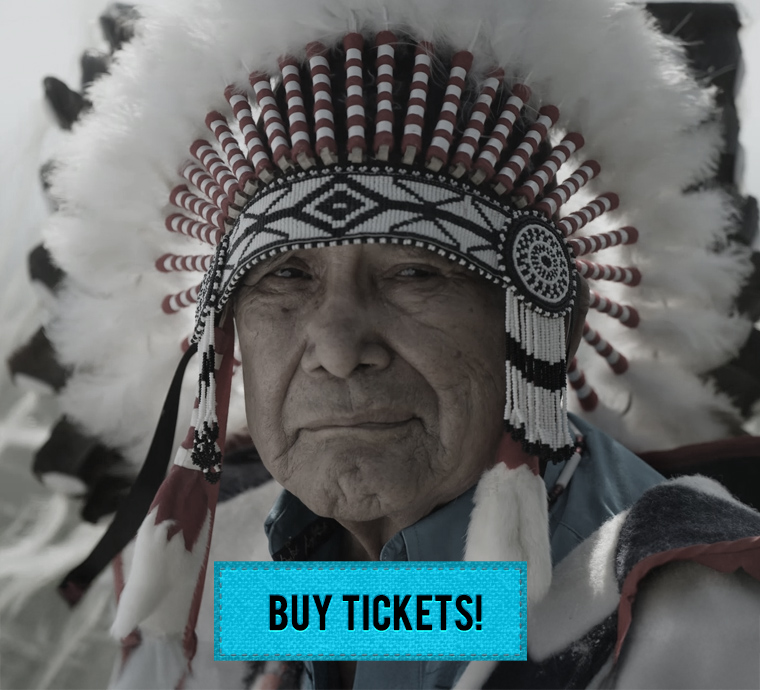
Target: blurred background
42 38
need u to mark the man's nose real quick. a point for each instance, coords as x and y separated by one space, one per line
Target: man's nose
342 333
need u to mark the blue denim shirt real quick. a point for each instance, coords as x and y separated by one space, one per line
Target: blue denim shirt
608 480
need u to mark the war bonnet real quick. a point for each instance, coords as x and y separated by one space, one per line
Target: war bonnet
517 138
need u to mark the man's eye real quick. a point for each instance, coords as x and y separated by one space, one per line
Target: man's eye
417 272
288 272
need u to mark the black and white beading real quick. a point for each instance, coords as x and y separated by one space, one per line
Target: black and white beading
538 262
323 207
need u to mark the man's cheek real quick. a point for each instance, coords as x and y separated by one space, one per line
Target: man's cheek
269 365
263 415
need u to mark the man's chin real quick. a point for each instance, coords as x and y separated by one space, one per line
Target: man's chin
354 476
359 496
367 458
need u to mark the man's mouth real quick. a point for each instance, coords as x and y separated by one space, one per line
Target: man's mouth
368 422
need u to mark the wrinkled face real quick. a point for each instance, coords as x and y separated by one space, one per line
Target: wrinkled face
374 376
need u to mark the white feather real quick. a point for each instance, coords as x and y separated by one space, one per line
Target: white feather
39 555
37 551
656 405
161 580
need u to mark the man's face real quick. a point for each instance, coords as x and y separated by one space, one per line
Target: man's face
374 377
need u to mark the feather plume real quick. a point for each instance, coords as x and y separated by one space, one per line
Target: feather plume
603 63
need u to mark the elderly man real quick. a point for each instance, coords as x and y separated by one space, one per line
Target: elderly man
399 212
368 413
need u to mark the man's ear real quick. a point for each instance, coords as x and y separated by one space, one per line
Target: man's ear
578 316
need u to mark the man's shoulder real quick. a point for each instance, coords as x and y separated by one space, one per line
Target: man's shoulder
688 569
657 595
692 626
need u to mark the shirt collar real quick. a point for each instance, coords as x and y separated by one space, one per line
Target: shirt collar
439 536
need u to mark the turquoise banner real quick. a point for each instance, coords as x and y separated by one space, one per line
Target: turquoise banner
360 610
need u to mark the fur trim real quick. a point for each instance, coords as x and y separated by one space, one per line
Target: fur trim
584 592
238 536
585 596
156 663
510 522
706 486
685 610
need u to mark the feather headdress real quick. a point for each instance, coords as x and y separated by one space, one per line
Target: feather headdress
559 134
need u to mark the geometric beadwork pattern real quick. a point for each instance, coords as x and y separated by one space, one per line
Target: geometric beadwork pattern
376 203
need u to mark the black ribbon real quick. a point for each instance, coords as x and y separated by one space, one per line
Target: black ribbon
135 507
